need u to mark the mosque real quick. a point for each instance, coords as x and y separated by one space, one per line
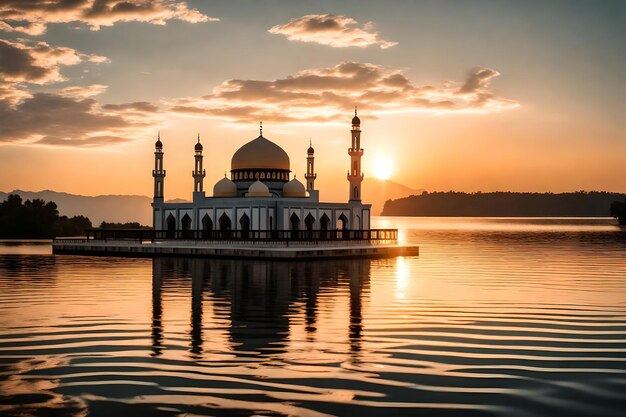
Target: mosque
261 194
261 211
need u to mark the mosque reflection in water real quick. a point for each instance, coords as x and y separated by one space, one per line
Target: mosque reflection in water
257 300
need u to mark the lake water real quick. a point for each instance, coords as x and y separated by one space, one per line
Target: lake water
496 317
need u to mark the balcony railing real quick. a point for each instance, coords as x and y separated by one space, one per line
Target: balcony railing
370 235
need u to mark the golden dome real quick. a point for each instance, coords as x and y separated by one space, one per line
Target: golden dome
258 189
260 153
225 188
294 188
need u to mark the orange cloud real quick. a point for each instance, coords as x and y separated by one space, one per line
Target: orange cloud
331 30
32 16
325 94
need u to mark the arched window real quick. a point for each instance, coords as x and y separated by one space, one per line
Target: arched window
356 193
159 190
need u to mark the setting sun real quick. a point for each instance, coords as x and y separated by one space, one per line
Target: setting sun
382 168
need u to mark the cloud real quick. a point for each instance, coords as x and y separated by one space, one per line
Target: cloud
32 16
327 94
72 117
38 62
331 30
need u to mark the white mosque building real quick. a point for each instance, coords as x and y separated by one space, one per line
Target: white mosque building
261 195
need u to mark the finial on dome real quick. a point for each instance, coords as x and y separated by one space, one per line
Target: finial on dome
158 143
198 146
261 127
355 119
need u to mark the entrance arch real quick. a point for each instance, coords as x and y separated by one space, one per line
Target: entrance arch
309 220
294 220
171 227
185 224
324 221
225 223
244 225
207 226
342 226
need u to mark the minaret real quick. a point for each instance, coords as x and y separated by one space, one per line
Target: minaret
198 173
355 176
310 168
158 173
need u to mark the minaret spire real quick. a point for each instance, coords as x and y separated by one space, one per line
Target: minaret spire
198 173
355 176
158 172
310 168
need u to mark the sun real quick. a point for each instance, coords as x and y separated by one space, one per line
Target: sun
383 168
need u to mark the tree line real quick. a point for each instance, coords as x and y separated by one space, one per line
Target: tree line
505 204
37 219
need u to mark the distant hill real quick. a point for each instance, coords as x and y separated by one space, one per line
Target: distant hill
377 191
504 204
109 208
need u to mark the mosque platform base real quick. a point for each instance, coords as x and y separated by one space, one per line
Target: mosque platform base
264 250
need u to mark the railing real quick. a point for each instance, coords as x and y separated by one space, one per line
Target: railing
371 235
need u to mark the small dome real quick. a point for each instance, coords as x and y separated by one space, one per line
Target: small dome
260 153
356 120
310 151
198 146
258 189
294 188
225 188
158 143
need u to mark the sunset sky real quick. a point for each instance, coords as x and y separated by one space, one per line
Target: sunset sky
452 95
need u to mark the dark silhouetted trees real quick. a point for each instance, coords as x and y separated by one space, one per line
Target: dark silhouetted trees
37 219
618 210
503 204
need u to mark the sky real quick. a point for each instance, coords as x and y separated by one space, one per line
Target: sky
452 95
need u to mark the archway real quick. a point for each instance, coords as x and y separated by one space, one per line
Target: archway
309 220
207 226
244 225
295 221
171 227
185 224
342 226
225 223
324 221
